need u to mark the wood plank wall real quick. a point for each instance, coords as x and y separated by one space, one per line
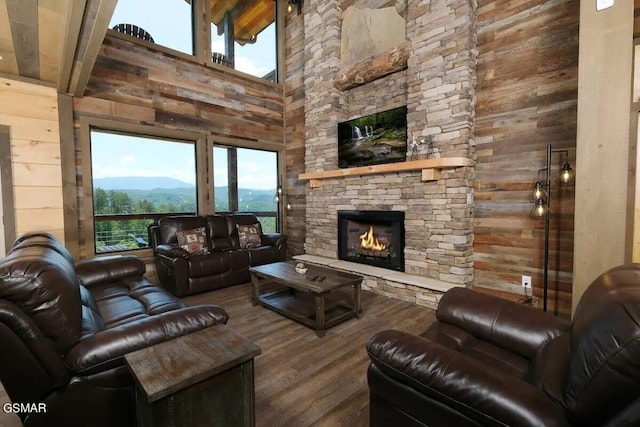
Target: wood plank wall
139 85
31 112
294 131
526 98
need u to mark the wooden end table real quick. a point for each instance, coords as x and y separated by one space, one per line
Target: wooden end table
315 298
203 378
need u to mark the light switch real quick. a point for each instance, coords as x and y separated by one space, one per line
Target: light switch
603 4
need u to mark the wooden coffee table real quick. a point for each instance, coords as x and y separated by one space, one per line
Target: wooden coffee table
320 298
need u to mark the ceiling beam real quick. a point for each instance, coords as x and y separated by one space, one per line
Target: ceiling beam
23 18
75 12
97 15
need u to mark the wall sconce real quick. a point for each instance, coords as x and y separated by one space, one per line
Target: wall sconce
541 199
297 3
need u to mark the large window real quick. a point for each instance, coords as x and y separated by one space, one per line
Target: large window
137 179
165 22
246 180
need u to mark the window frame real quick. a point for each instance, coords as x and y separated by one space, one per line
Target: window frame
278 149
87 124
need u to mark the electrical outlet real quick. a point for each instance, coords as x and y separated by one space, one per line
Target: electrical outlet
526 281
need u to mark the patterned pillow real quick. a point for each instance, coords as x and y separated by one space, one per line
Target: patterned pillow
249 235
193 241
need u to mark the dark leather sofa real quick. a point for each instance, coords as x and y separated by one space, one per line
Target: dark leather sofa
65 327
225 264
491 362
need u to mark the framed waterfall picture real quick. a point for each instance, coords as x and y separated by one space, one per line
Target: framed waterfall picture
373 139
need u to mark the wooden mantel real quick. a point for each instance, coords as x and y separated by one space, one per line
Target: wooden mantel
430 169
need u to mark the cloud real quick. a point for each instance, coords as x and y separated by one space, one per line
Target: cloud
128 159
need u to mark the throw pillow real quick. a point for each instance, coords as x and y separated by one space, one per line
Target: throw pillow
249 235
193 241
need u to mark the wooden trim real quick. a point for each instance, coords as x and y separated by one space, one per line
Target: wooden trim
204 193
280 37
75 12
68 164
247 143
8 208
426 164
84 64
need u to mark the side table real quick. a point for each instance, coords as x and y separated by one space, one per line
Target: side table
203 378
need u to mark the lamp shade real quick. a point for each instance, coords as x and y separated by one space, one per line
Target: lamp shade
567 177
540 210
538 193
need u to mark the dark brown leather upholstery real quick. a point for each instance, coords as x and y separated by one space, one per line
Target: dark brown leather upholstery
226 264
488 361
66 327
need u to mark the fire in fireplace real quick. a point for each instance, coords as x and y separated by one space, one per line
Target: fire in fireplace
372 237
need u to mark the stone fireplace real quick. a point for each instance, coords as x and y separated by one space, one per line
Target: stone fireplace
438 88
372 237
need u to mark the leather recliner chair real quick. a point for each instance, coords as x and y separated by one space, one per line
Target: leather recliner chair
65 328
487 361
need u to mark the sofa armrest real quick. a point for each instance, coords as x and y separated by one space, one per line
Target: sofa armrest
172 251
517 327
273 239
460 382
109 269
106 349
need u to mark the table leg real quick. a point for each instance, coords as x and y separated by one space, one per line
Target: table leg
255 285
356 300
320 315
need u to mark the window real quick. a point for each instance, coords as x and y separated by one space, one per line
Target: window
137 179
250 46
246 180
164 22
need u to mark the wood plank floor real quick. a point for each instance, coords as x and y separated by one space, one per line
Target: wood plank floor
302 380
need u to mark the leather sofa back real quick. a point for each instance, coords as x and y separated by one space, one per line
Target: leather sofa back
218 234
168 225
43 284
603 373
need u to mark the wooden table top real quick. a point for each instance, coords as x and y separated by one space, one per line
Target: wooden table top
317 279
173 365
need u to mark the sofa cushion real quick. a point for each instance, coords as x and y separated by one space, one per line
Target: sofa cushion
249 235
194 240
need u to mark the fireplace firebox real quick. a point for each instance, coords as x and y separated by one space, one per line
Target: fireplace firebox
372 237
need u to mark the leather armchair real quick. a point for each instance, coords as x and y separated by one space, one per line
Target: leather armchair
65 328
486 361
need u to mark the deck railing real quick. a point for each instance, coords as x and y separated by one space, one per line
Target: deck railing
129 231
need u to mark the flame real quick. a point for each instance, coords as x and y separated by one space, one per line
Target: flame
370 242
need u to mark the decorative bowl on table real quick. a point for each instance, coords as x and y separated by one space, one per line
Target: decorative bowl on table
301 268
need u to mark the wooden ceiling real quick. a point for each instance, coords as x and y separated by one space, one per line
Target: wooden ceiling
249 17
53 41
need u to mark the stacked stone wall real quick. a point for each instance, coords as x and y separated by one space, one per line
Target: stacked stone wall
438 88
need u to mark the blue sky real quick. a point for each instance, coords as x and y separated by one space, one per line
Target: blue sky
115 155
169 23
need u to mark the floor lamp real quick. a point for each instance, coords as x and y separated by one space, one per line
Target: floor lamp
541 198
